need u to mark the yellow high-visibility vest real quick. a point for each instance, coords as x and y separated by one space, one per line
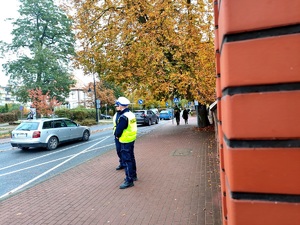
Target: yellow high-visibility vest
129 134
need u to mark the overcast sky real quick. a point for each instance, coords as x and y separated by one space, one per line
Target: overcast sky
8 9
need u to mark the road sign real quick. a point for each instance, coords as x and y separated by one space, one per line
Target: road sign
140 101
176 100
167 104
98 104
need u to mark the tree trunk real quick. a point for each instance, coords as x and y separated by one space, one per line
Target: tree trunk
202 119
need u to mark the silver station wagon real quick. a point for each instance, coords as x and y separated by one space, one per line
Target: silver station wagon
47 133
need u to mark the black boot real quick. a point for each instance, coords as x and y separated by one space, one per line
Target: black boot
126 185
120 167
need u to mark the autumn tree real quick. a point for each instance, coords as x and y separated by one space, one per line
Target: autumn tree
162 47
43 103
42 45
104 92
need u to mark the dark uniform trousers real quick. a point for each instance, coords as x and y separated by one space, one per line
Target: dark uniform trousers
127 156
118 148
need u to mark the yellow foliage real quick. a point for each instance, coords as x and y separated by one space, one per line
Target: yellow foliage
162 48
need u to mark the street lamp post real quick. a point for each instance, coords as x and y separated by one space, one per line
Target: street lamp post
95 95
96 102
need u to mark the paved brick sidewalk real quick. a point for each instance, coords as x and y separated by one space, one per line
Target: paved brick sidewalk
178 184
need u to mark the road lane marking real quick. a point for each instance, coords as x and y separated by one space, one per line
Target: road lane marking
39 157
51 161
48 171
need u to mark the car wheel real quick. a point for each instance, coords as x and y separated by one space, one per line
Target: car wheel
149 122
52 143
157 120
85 136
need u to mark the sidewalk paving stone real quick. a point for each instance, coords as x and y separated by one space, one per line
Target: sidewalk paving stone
178 184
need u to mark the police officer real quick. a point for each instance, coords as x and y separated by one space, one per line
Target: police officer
117 142
126 131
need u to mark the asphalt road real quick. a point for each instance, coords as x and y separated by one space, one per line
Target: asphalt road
20 170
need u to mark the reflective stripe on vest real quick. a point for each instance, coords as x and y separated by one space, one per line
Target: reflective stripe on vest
129 134
114 123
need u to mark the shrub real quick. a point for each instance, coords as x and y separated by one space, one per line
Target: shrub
8 117
64 113
87 122
80 114
77 114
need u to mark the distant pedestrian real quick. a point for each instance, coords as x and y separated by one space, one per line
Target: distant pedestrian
30 115
177 115
185 115
125 132
117 142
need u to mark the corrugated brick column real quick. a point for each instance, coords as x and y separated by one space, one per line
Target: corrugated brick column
219 121
258 100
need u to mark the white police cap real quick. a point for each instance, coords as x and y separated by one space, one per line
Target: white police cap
123 101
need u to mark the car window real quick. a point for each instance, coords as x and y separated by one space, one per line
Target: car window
47 125
28 126
154 110
138 112
70 123
59 123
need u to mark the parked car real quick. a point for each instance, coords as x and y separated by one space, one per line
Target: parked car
165 115
47 133
146 117
103 116
155 111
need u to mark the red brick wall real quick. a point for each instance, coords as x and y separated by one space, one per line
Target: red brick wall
257 45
